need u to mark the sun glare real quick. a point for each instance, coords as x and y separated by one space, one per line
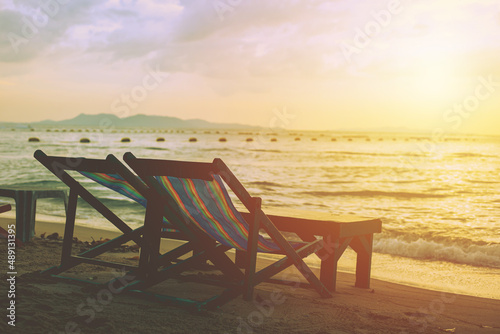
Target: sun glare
436 82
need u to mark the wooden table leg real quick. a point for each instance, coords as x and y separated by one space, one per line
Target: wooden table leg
363 246
330 254
328 273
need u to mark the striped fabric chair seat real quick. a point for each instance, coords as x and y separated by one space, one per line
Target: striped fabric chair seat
117 183
208 205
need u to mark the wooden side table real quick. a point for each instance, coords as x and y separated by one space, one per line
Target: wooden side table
26 207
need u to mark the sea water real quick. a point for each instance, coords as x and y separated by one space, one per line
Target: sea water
439 201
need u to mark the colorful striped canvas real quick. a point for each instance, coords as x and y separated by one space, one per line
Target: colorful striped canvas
208 205
118 184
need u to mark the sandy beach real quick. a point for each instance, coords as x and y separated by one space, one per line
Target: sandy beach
54 305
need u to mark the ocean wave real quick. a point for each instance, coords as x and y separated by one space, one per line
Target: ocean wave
471 254
482 181
265 184
43 184
362 153
267 151
378 154
373 193
118 202
217 149
470 155
157 148
410 181
340 182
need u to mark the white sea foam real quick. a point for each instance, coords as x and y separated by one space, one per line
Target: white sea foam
478 255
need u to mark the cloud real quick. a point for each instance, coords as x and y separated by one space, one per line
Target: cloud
241 40
30 27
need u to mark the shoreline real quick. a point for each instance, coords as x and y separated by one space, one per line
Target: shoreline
384 308
385 267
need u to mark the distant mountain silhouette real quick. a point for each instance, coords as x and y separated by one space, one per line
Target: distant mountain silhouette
111 120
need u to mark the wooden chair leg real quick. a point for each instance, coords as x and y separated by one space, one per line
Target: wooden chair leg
240 259
251 260
69 228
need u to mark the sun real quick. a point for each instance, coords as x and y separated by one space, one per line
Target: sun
435 79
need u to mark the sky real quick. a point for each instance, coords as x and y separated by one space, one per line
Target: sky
432 65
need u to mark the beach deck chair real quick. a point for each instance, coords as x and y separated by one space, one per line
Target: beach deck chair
193 197
104 173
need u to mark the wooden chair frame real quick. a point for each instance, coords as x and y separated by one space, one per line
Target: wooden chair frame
59 167
147 169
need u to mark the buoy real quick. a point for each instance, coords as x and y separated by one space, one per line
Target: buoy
33 139
84 140
249 139
334 139
160 139
222 139
297 139
314 139
193 139
274 139
125 140
350 139
368 139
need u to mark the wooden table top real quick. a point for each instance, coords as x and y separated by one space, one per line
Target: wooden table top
321 223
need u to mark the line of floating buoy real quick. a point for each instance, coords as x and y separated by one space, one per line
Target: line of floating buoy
274 139
249 139
297 139
33 140
160 139
193 139
222 139
125 140
334 139
84 140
